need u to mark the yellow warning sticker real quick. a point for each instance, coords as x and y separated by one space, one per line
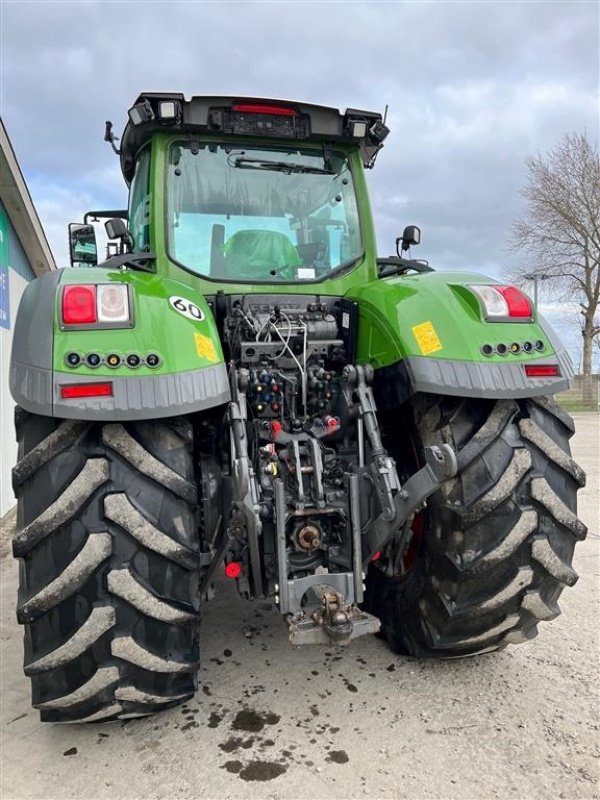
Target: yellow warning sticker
205 347
427 338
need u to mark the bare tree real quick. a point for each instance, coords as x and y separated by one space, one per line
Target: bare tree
559 230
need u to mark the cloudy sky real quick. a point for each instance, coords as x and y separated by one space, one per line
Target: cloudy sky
473 88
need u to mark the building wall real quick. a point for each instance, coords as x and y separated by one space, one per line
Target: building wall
15 274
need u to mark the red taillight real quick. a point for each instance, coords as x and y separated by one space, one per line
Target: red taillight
233 569
279 111
502 303
542 370
79 305
518 304
73 391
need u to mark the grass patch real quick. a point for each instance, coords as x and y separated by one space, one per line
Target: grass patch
575 404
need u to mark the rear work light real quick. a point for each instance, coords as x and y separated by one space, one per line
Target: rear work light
503 303
101 305
74 391
542 370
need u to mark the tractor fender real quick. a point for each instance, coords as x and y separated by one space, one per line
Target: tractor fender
427 333
166 361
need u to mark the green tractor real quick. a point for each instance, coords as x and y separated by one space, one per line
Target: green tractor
243 385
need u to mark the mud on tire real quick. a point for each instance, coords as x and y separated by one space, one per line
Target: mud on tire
498 542
108 545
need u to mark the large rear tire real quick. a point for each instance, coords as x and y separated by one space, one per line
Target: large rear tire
107 538
498 539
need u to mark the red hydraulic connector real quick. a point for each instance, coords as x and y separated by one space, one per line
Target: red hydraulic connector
332 424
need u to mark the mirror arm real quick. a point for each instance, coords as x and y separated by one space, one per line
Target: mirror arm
387 267
110 137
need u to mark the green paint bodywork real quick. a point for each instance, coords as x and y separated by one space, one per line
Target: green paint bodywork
158 328
389 308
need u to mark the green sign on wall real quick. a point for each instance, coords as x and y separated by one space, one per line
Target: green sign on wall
4 292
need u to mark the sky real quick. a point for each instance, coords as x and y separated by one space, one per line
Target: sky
473 89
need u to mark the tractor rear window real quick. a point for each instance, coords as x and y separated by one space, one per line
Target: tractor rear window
247 214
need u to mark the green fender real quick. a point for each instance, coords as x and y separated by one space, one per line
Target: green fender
171 323
427 333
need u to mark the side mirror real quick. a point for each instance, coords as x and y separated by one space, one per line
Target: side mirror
410 236
82 244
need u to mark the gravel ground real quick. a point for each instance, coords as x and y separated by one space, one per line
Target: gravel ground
271 722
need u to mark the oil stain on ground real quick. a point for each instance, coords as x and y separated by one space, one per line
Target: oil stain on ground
253 721
250 720
235 743
213 720
233 766
262 771
338 757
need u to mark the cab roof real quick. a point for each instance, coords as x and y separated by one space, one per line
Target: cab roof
250 117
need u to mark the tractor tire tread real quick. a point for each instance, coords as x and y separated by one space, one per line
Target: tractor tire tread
108 542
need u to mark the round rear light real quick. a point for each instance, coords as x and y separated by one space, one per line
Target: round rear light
73 359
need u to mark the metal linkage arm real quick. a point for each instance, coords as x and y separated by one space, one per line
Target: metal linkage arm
245 516
397 502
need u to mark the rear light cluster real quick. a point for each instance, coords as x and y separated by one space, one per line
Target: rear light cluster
502 303
101 305
114 360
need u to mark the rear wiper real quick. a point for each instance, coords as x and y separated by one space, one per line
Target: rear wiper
279 166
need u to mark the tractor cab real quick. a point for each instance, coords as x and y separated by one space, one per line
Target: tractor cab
255 191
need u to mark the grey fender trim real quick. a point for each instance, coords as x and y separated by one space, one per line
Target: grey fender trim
146 397
493 380
32 344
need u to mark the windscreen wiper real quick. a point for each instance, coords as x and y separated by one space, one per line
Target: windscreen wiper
279 166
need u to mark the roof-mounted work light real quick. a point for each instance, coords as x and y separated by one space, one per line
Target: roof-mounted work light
169 110
140 113
357 128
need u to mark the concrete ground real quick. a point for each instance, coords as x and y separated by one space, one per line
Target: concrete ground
271 722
